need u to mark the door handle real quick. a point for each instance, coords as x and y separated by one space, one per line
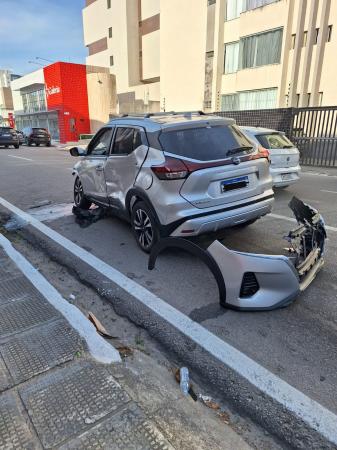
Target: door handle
99 168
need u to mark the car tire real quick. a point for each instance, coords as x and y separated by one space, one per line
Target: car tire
80 199
144 226
48 144
37 144
6 146
17 146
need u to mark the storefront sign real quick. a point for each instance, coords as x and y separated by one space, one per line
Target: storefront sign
11 120
52 90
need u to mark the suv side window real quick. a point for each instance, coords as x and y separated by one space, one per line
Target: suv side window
126 141
100 145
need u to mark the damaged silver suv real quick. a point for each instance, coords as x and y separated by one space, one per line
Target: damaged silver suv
174 174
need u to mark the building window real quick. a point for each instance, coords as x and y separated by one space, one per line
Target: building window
34 101
111 60
305 38
247 100
109 4
320 98
233 9
316 36
248 5
329 33
293 41
232 57
261 49
211 2
110 32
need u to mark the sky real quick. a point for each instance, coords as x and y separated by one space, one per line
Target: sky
50 29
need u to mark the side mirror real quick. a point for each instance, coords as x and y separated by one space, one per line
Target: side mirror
77 151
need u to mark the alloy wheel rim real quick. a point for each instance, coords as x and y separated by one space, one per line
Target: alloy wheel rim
143 228
78 192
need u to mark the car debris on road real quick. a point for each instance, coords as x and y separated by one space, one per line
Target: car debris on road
249 281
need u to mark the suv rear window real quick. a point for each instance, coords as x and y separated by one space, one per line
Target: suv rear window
39 130
207 143
274 140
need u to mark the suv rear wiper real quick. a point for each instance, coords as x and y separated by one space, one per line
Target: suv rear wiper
237 150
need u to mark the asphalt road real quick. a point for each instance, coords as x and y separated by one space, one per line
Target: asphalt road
297 343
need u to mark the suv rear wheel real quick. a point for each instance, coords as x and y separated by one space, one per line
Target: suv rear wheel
144 226
79 198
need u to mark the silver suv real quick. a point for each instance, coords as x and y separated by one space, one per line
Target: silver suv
174 174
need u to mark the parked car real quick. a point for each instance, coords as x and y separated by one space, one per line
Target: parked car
8 137
176 174
284 156
37 136
21 136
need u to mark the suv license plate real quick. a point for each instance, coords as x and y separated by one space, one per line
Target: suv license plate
286 176
234 183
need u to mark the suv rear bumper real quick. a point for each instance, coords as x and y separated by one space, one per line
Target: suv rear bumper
9 141
225 218
279 174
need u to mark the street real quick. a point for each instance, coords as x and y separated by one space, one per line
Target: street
297 343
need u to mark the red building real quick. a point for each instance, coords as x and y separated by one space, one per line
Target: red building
66 93
56 97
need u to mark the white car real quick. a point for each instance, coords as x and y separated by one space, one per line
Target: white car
284 156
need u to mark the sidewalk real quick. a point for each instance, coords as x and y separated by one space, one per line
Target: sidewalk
53 394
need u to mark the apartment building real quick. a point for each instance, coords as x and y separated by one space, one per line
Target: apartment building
6 99
214 54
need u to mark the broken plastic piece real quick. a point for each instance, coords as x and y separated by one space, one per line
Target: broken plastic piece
86 217
249 281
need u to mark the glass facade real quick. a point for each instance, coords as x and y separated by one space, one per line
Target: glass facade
258 99
34 101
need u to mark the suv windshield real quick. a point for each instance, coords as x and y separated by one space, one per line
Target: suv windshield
207 143
274 140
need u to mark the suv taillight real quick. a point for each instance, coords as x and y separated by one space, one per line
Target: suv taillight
171 169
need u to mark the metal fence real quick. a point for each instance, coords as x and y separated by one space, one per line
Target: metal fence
313 130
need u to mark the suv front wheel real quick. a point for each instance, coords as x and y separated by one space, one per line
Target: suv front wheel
144 226
79 198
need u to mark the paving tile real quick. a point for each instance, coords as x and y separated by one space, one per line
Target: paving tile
70 400
40 349
24 314
5 380
16 289
14 431
126 430
8 269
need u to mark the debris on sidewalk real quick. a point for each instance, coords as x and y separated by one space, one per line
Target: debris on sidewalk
184 380
72 297
86 217
191 391
224 417
208 401
99 326
125 351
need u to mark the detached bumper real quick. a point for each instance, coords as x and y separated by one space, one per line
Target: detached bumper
249 281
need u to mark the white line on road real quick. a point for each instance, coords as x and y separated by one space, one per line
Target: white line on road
98 347
330 192
20 157
313 413
291 219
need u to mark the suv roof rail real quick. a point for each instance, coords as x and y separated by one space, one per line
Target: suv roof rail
169 113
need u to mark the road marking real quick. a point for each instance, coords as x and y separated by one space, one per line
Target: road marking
51 212
20 157
291 219
98 347
313 413
326 190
